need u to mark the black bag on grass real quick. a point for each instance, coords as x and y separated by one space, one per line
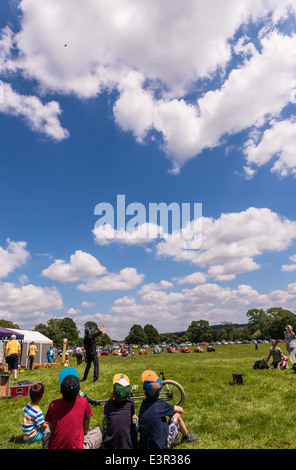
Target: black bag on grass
260 365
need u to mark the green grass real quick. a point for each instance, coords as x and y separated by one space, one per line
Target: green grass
255 415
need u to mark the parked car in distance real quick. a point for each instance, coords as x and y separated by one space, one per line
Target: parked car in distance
185 350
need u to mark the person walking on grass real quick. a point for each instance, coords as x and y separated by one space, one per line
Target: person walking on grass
32 355
13 355
91 352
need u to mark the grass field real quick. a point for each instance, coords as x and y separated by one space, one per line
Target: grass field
256 415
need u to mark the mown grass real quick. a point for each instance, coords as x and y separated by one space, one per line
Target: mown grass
256 415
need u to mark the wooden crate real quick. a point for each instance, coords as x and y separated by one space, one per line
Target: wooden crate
4 385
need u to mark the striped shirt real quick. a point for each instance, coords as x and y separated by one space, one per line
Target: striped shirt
32 420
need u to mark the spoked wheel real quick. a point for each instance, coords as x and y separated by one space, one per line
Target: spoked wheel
172 392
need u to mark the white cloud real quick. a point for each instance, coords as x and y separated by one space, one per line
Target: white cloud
153 54
27 304
82 265
127 278
14 256
231 242
278 145
290 267
139 235
211 302
194 278
43 118
87 304
73 311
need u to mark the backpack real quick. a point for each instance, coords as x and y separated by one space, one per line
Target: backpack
260 365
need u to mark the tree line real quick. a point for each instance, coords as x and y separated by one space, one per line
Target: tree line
262 324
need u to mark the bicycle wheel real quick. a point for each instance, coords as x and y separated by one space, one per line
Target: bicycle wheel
172 392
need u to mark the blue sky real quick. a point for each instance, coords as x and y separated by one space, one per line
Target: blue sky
132 105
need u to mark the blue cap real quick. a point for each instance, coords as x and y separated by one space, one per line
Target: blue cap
67 371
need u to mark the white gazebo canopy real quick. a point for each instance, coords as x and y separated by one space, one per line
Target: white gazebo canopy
42 342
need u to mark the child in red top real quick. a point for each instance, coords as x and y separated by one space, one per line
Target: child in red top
69 417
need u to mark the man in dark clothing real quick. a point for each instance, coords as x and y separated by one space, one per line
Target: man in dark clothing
91 352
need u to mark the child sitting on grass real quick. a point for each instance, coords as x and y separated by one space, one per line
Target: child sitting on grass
155 431
69 417
120 422
33 420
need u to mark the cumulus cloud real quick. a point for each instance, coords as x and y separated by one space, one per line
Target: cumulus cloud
290 267
231 242
14 256
87 304
73 311
154 56
139 235
85 267
194 278
127 278
174 311
277 145
81 265
29 303
43 118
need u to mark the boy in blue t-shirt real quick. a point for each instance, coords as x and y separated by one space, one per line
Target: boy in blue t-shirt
155 431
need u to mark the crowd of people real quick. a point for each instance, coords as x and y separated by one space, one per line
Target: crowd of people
66 423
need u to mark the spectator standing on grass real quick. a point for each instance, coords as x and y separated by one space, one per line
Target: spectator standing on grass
91 352
289 336
78 353
277 355
69 417
50 355
120 422
155 431
13 355
32 355
34 423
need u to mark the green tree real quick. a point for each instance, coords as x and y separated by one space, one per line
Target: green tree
229 327
9 324
104 340
280 319
91 325
200 331
59 328
136 336
43 329
259 319
70 331
152 334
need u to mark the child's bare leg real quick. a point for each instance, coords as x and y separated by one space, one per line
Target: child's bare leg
182 426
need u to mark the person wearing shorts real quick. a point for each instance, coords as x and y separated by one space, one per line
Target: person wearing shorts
155 431
12 354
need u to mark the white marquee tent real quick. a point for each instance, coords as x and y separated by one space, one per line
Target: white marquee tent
42 342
